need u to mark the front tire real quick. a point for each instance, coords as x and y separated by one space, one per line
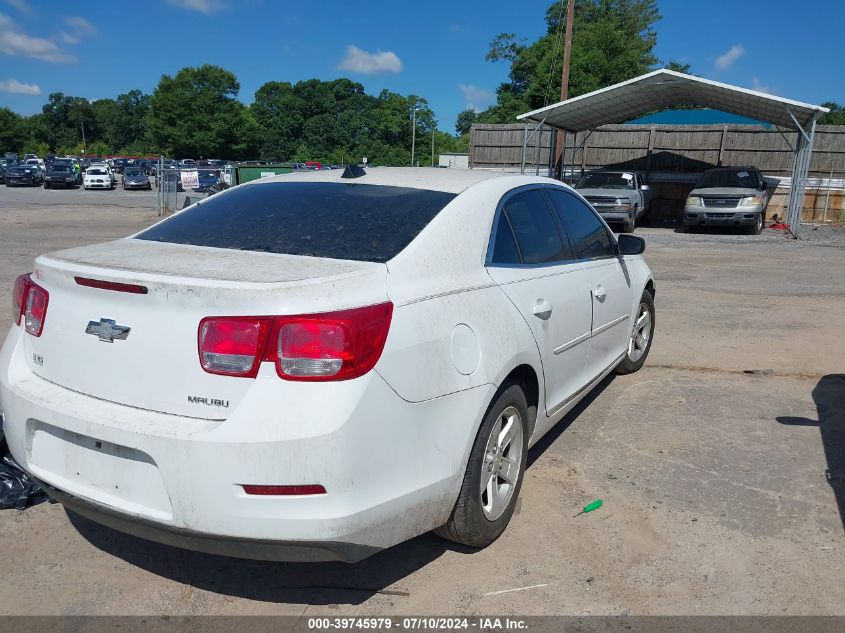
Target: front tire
642 333
630 224
757 228
494 473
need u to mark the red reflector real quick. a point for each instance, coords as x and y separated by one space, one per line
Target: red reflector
18 297
285 491
111 285
35 310
232 346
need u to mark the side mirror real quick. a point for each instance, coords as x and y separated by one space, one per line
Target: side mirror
644 188
630 244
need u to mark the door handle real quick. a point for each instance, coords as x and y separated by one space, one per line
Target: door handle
600 293
542 309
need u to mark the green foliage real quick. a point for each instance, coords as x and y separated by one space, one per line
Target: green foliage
13 131
35 147
678 67
836 116
196 113
465 121
612 40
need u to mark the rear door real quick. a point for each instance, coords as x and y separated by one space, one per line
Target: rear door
609 282
529 260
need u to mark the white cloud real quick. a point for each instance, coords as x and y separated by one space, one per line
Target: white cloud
760 87
725 61
15 43
201 6
13 86
476 97
20 5
360 61
80 26
6 22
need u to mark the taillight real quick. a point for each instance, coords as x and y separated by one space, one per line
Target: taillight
314 347
35 310
18 297
232 346
330 346
300 490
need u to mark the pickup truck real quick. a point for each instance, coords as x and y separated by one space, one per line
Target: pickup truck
728 196
618 196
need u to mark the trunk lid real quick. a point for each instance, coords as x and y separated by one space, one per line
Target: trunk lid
156 366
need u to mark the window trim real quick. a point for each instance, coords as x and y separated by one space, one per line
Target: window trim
564 236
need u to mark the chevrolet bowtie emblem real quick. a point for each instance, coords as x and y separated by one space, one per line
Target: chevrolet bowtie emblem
107 330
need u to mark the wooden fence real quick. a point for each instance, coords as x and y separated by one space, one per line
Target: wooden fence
673 153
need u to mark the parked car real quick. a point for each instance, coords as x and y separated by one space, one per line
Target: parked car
20 175
98 177
301 369
108 168
59 175
207 178
3 171
187 163
74 167
728 196
135 178
619 196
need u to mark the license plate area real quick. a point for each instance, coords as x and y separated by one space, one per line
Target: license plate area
118 476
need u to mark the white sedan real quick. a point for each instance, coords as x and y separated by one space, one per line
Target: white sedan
318 366
98 177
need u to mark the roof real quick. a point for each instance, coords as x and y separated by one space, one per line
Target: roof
665 88
431 178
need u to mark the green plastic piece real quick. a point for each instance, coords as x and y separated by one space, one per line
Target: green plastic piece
595 505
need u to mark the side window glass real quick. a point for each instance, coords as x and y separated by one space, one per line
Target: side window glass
587 234
534 228
504 249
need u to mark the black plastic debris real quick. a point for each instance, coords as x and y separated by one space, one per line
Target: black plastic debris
17 490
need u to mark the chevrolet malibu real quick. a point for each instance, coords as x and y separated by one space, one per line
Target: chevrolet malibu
318 366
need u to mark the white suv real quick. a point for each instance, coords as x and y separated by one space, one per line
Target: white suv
316 366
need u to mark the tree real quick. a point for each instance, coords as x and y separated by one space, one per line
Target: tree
465 121
13 132
836 116
613 40
63 120
679 67
196 113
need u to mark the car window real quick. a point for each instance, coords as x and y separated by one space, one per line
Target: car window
587 234
535 230
316 219
606 180
742 178
504 248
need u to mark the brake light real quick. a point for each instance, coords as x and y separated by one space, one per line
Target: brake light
232 346
329 346
313 347
19 296
35 310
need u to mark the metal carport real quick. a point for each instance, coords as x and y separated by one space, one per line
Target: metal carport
666 88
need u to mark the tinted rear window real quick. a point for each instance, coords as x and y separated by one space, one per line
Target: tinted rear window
334 220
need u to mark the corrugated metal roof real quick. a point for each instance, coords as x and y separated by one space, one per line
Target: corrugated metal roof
664 88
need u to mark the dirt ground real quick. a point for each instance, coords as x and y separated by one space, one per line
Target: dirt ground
724 491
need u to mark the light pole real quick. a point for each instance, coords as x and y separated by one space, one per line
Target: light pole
413 134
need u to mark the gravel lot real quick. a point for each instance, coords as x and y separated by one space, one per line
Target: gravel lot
720 486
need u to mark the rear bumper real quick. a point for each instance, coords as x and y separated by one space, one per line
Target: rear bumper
293 551
392 469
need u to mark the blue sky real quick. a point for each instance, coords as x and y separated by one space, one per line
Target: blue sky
436 49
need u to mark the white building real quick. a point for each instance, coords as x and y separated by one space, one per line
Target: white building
450 159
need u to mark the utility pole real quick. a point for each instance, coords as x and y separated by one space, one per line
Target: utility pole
433 130
564 77
413 135
84 144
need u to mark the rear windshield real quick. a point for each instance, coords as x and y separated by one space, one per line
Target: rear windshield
316 219
742 178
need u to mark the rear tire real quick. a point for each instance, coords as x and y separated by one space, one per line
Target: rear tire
494 473
642 334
